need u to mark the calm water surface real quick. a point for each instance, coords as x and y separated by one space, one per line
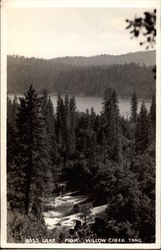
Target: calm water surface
86 102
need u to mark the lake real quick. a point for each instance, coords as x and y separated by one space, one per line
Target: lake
86 102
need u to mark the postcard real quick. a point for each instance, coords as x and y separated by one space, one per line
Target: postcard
80 124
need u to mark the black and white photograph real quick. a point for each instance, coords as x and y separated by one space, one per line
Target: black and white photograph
80 157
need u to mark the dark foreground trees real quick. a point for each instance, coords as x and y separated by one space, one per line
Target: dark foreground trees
107 157
134 107
30 171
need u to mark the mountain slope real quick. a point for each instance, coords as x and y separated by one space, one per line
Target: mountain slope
147 58
88 79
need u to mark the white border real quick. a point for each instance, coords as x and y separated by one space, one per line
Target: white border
3 124
79 3
76 3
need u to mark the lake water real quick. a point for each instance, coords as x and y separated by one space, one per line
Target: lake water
86 102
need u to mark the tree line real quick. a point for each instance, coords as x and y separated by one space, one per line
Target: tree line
86 80
108 157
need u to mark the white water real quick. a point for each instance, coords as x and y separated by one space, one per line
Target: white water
61 214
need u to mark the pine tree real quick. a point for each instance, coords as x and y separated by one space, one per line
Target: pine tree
111 124
59 120
87 119
66 102
92 118
142 130
118 146
15 106
72 107
34 159
134 107
153 113
50 118
106 98
48 114
66 128
12 109
152 126
92 149
14 194
72 110
97 123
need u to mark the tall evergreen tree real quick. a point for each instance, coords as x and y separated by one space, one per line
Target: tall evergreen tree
33 144
142 130
92 118
66 127
118 146
72 110
153 113
14 177
106 98
50 118
59 119
110 124
152 126
48 113
12 109
134 107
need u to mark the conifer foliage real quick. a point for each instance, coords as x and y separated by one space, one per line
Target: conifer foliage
134 107
33 146
111 124
104 156
142 130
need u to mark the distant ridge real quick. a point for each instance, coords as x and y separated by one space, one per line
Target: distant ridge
84 75
144 57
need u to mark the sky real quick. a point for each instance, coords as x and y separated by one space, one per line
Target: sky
58 32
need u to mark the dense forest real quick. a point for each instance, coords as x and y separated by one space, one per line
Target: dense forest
84 79
108 157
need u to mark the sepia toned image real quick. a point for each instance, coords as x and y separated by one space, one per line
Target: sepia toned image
81 130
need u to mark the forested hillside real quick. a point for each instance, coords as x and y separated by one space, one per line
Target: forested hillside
107 157
72 78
